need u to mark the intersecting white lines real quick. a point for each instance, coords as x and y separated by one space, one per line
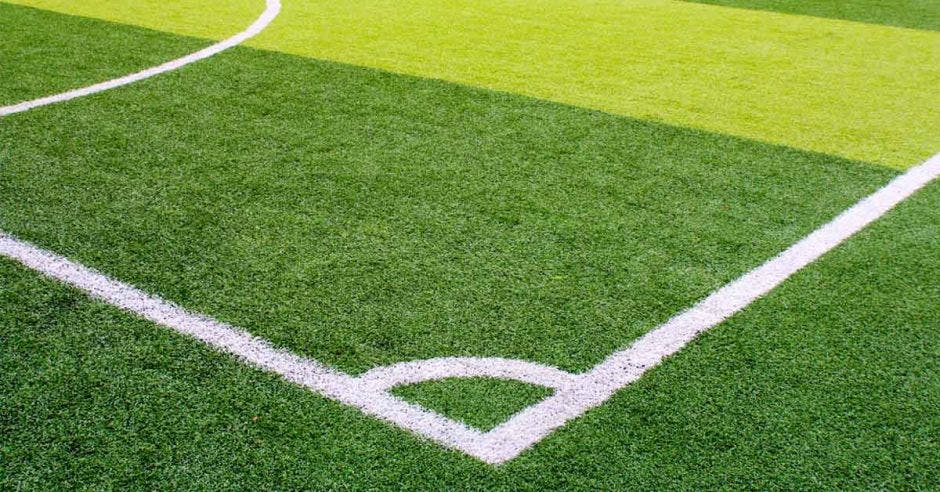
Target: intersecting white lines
574 393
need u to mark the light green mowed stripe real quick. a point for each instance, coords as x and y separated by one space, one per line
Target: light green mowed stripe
862 91
198 18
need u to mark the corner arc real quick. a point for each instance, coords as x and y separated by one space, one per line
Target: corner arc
419 371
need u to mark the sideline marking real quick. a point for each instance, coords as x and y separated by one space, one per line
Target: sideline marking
272 9
621 368
256 351
575 393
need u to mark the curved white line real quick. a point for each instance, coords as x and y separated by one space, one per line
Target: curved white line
272 8
253 350
419 371
308 373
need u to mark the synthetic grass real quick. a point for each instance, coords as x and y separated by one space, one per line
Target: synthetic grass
364 218
832 382
862 91
44 53
461 398
915 14
212 20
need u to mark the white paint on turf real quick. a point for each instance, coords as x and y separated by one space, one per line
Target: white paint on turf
272 8
594 387
574 393
305 372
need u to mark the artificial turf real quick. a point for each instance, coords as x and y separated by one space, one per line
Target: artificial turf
914 14
850 89
364 218
197 18
68 52
452 397
831 382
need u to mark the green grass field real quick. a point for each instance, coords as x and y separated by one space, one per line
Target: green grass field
375 182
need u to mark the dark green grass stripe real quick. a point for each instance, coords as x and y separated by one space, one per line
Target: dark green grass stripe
43 53
831 381
916 14
365 218
94 398
482 403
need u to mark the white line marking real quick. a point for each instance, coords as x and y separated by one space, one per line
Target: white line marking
625 366
308 373
575 394
272 8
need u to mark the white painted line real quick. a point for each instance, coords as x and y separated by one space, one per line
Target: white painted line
272 8
575 394
308 373
625 366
